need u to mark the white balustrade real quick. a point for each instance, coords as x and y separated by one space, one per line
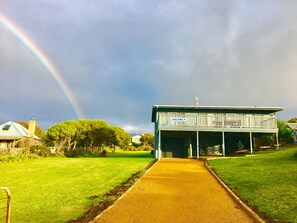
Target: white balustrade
225 121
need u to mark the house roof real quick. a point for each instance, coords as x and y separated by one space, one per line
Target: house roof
13 131
214 109
292 126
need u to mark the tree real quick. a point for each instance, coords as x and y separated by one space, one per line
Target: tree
72 133
91 134
122 138
292 120
58 134
147 139
94 133
83 127
284 132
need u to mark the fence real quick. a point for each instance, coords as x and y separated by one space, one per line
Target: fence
5 207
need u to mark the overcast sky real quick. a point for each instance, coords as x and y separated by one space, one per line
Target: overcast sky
121 57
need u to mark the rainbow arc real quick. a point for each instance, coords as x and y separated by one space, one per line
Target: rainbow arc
45 62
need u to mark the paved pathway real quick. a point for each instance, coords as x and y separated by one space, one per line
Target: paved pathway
175 190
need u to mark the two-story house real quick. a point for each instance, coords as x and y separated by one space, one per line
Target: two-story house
188 131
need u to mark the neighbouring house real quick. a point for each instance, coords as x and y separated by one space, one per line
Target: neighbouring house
191 131
14 135
136 139
293 126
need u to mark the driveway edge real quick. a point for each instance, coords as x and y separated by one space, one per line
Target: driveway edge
246 208
98 216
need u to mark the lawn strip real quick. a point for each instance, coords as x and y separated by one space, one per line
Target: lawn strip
266 182
110 197
58 189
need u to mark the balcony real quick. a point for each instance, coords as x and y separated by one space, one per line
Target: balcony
217 122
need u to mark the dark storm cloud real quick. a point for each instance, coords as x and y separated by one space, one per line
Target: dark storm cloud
119 57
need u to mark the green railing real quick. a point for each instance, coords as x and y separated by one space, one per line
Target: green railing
6 205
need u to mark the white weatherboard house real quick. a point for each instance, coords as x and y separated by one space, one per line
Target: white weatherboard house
12 133
136 139
187 131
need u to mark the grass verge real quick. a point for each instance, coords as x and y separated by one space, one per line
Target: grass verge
62 189
266 182
110 197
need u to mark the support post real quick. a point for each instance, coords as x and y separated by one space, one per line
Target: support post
191 152
198 145
277 144
251 142
159 146
223 144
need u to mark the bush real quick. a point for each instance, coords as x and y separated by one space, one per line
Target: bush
103 153
82 152
17 157
152 152
130 148
145 148
42 151
284 133
140 148
20 144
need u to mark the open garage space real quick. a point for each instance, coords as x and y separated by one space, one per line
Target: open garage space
182 144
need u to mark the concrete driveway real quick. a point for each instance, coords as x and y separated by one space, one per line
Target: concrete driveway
175 190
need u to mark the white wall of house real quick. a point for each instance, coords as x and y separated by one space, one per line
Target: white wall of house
136 139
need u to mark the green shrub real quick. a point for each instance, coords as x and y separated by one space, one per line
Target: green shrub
82 152
284 133
130 148
42 151
103 153
152 152
20 144
17 157
140 148
145 148
136 144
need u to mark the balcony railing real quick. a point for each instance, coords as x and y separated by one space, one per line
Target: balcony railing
218 121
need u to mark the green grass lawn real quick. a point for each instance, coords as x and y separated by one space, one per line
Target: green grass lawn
268 182
58 189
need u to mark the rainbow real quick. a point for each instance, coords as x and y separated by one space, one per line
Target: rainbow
43 59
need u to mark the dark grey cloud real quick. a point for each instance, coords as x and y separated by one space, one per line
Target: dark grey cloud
121 57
